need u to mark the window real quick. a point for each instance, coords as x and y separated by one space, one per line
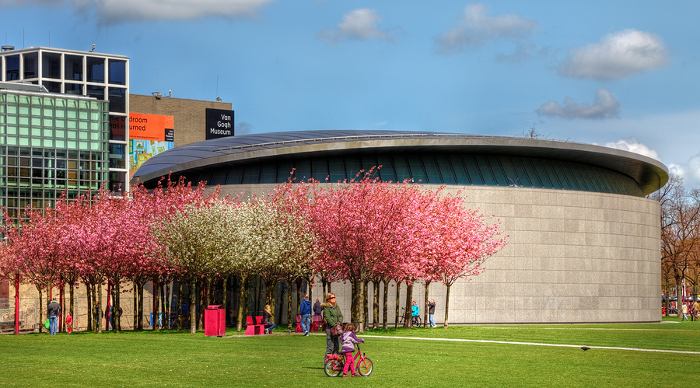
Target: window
96 91
12 68
117 100
117 127
117 72
116 155
31 65
50 65
75 89
53 87
95 69
117 182
73 68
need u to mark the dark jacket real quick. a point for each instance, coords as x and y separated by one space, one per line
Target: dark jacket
431 308
54 309
332 315
305 308
317 308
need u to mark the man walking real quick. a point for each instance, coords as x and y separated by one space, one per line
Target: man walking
305 312
53 310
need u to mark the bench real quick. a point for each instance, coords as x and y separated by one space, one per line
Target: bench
254 325
9 326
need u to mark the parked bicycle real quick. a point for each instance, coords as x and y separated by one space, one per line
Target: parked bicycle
335 363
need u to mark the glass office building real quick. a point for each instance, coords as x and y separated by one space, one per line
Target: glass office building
49 144
80 73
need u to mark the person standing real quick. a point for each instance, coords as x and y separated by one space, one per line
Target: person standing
305 312
431 312
333 317
696 307
317 308
685 311
54 309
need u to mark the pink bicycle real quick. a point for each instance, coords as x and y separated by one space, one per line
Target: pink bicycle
333 367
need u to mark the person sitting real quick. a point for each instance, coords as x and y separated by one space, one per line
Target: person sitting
268 319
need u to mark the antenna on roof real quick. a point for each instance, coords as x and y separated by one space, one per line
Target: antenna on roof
92 47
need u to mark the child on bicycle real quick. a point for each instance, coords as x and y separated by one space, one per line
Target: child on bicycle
349 339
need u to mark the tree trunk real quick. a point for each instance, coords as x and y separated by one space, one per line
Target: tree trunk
224 284
89 292
141 305
385 301
193 309
365 302
447 305
99 307
425 303
118 305
290 290
108 309
179 304
398 304
17 300
242 302
156 302
679 297
375 305
356 308
407 312
41 310
62 302
163 305
71 297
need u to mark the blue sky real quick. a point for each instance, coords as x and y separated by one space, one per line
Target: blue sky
619 73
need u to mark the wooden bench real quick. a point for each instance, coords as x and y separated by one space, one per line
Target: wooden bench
254 325
8 326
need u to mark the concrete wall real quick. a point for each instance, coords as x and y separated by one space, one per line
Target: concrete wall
571 257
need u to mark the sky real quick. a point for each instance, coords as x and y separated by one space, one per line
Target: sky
623 74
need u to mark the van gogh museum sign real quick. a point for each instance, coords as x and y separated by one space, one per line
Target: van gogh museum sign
219 123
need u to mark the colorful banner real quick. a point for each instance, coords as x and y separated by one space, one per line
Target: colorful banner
142 150
145 126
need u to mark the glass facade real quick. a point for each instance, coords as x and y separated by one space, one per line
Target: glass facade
440 168
50 144
102 76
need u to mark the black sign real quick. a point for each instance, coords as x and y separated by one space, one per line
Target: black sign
219 123
169 134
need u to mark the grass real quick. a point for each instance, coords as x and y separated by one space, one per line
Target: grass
178 359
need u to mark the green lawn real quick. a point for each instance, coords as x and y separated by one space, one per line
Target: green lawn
147 359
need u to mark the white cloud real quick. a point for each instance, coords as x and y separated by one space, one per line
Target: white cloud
477 28
358 24
604 106
632 145
677 170
693 168
118 11
616 56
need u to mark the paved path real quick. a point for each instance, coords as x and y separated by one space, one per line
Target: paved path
535 344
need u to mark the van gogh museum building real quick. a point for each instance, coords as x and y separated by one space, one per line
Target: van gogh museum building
583 239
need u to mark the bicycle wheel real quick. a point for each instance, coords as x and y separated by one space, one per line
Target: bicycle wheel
333 368
365 366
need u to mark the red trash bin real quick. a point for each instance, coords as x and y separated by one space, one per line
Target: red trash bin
214 321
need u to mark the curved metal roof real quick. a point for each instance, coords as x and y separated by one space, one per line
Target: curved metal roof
649 173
